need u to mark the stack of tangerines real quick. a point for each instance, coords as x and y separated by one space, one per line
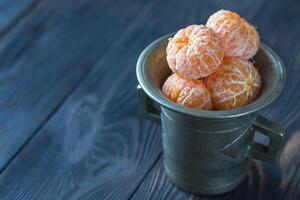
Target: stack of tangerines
211 64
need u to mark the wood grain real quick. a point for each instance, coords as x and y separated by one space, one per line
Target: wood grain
278 180
264 181
89 142
158 186
45 57
293 189
96 146
12 12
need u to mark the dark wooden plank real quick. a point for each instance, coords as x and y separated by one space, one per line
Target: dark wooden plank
264 181
278 180
12 12
158 186
96 146
293 191
290 165
46 56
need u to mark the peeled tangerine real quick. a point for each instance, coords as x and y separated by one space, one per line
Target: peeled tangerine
187 92
239 38
235 84
194 52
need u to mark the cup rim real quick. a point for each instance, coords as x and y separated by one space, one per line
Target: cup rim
253 107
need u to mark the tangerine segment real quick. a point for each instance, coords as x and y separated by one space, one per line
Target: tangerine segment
239 38
187 92
194 52
235 84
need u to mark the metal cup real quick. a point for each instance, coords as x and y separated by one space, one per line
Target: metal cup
208 152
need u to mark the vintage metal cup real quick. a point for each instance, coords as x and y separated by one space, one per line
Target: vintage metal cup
208 152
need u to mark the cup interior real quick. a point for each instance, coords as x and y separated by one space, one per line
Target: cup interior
153 70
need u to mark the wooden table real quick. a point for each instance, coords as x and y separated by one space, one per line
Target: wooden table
69 123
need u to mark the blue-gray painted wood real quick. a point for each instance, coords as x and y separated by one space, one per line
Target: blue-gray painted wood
45 57
88 140
276 22
12 12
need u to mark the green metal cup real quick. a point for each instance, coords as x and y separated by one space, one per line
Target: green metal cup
208 152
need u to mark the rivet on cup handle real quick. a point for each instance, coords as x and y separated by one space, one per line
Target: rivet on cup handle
275 133
146 106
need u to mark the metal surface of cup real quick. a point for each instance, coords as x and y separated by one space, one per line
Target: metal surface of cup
207 152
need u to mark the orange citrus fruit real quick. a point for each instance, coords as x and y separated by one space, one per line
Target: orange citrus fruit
235 84
194 52
187 92
239 38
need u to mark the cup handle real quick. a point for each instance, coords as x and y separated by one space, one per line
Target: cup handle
274 132
147 107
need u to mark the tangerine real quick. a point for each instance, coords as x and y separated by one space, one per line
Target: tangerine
239 38
235 84
187 92
194 52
